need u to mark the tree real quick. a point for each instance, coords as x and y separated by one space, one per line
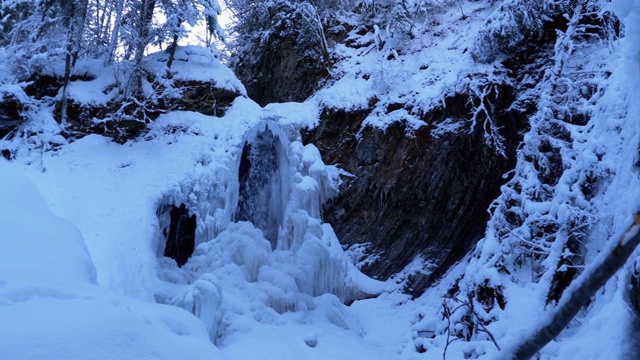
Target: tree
114 33
73 17
47 27
143 14
211 12
578 294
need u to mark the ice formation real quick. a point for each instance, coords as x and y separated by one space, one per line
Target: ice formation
51 305
264 181
260 229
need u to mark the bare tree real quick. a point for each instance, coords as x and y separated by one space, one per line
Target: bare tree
115 33
578 294
73 17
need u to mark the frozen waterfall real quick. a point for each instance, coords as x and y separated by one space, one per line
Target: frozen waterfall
260 239
264 179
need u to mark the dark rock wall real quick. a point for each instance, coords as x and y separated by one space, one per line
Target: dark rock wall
12 110
180 235
413 194
284 74
289 63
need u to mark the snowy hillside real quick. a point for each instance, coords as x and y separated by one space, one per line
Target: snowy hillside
235 283
169 216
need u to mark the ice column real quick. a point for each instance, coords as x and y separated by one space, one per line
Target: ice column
264 181
207 298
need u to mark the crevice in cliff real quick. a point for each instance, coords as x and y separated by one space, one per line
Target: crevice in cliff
179 231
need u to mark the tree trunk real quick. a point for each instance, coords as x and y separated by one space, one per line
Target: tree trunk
74 18
173 46
144 22
115 34
577 295
65 85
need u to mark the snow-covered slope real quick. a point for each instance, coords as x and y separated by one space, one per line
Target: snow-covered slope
51 306
268 279
254 302
572 195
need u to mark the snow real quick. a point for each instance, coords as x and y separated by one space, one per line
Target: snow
607 148
51 235
82 271
98 87
419 73
306 114
14 91
235 285
347 93
195 63
51 306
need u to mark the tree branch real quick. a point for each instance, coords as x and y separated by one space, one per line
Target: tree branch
577 294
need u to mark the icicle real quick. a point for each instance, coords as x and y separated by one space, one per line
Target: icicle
265 180
207 298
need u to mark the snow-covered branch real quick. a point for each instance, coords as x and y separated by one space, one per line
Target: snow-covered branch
578 294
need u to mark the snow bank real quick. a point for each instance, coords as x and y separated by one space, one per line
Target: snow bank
195 63
37 246
50 306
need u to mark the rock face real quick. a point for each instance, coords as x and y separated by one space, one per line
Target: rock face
13 105
288 63
198 96
271 85
413 194
197 81
124 120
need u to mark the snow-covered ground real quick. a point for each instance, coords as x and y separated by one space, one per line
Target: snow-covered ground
104 270
82 271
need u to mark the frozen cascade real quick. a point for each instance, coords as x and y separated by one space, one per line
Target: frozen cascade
207 298
282 183
268 243
264 182
208 198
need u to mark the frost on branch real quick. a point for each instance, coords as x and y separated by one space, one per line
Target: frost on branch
485 91
578 294
544 212
512 24
541 225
